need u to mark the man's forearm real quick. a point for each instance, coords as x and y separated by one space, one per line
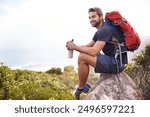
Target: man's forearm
85 49
93 51
91 44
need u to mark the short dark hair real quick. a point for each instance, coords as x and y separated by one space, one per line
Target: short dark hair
97 10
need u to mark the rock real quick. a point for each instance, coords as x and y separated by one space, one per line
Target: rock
114 87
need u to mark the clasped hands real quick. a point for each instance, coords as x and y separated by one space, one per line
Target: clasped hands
70 45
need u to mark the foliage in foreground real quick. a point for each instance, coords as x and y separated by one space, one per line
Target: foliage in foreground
31 85
139 70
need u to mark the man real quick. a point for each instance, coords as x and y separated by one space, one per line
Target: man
90 54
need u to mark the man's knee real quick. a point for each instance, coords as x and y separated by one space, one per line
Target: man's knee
81 57
87 59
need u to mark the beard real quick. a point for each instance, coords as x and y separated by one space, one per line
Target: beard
95 23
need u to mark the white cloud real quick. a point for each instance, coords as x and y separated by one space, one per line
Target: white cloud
41 23
45 23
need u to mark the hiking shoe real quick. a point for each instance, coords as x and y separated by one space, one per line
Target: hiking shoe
86 89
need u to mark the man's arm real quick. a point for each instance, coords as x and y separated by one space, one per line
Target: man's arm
91 44
93 51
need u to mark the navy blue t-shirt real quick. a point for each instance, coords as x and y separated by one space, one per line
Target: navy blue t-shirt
106 33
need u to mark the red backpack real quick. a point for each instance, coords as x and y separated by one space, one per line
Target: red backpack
131 38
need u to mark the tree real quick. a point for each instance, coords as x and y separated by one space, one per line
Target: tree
54 70
69 68
139 70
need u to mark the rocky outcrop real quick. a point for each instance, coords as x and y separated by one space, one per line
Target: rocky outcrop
114 87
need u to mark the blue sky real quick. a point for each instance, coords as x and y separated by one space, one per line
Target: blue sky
42 27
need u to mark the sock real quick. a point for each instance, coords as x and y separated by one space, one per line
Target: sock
80 89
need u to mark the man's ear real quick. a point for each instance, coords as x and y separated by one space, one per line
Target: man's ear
101 17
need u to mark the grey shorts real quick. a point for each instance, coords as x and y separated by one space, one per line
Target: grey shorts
107 64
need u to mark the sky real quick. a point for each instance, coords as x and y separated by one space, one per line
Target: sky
37 30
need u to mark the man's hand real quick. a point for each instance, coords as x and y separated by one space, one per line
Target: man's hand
70 45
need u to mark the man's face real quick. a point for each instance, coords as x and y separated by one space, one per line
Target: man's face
94 19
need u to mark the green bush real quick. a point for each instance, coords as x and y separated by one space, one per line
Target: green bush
139 70
54 70
31 85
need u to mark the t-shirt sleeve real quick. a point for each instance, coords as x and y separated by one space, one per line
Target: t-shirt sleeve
95 36
105 34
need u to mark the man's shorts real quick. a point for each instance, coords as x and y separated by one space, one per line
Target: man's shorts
107 64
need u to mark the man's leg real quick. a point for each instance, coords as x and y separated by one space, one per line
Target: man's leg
84 61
